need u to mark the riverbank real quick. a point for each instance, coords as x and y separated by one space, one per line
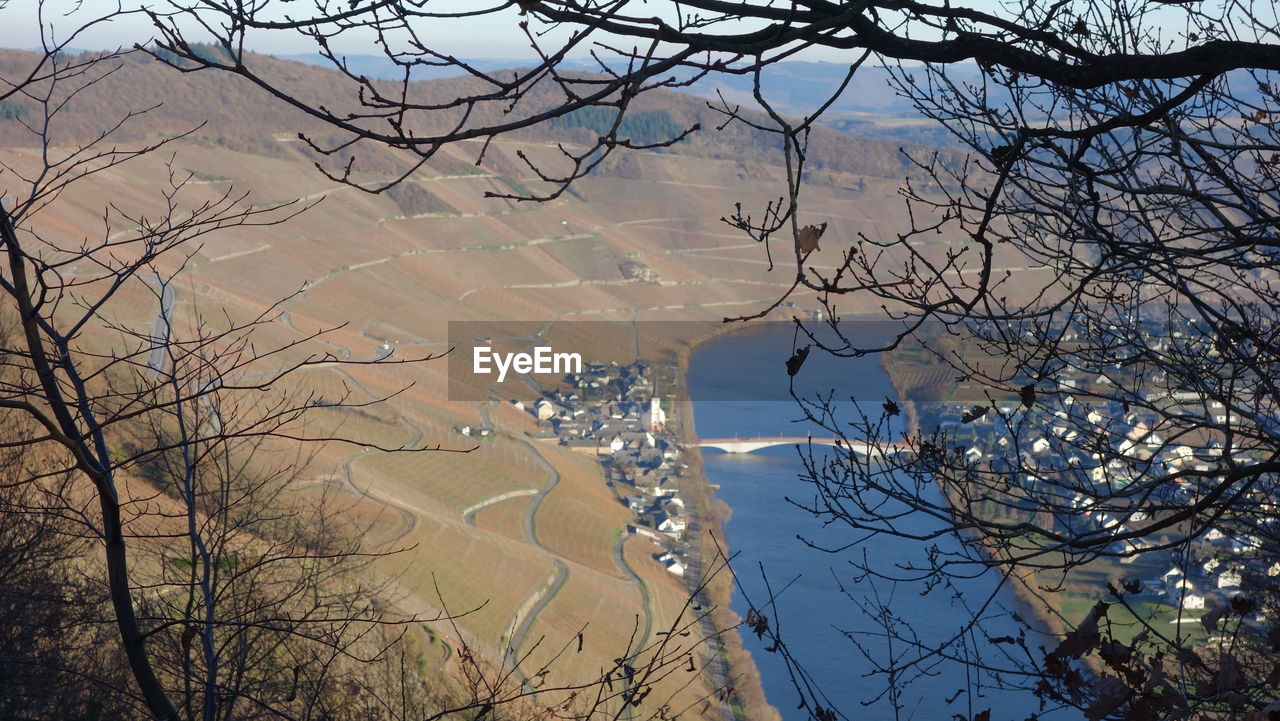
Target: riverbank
741 378
1048 620
748 698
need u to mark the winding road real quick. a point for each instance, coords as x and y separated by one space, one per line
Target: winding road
160 335
522 621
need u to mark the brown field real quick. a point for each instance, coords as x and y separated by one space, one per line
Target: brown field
580 520
448 480
612 633
474 569
505 518
668 595
609 606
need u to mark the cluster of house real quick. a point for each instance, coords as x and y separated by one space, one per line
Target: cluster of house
1215 568
1088 452
613 412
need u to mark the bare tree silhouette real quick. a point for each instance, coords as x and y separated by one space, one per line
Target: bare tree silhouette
156 557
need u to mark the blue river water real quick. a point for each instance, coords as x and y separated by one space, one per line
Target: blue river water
823 609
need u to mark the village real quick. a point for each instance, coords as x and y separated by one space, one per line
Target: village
1053 452
615 413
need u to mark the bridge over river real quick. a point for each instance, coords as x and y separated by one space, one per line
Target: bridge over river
747 445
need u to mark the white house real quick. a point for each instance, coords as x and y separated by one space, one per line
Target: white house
544 409
1229 578
672 526
646 532
667 489
1192 601
1246 544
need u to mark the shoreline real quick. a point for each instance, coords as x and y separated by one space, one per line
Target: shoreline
715 513
1018 585
712 514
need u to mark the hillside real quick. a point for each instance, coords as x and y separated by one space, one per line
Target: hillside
390 271
869 106
223 111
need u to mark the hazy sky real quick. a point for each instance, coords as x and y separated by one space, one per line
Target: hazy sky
20 19
495 35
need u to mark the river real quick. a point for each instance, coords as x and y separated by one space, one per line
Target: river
737 383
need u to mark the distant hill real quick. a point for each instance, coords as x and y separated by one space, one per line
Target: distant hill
225 110
793 85
869 106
